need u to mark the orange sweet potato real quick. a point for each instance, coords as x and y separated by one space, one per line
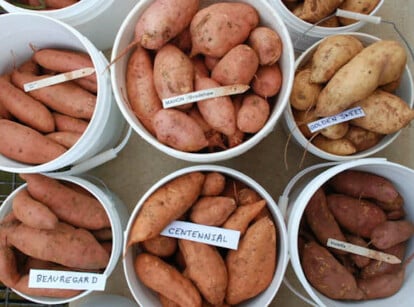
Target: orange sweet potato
69 123
160 246
253 114
9 274
267 81
240 219
65 138
267 44
213 184
212 210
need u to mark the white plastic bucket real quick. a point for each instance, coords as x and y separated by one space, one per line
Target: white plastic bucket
146 298
269 17
107 123
305 34
96 19
405 92
118 217
297 195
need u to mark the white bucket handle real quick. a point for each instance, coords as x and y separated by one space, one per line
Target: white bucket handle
283 201
97 160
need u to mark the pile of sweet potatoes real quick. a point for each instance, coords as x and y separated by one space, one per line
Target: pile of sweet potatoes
188 273
343 74
181 47
40 125
52 225
363 209
317 11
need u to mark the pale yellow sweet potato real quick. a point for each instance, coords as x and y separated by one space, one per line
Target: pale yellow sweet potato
331 54
341 147
358 6
362 138
335 132
304 93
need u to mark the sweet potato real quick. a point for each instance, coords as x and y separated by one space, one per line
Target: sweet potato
358 6
314 10
359 261
267 81
331 54
385 113
210 62
237 66
166 204
65 138
140 87
9 274
183 41
362 138
302 119
206 268
390 233
381 286
23 286
30 66
160 246
376 267
304 93
64 60
223 118
358 216
213 184
247 196
166 280
178 130
212 210
67 97
24 108
74 247
320 219
33 213
267 44
200 68
24 144
68 123
378 64
340 147
69 205
256 273
327 275
219 27
173 72
361 184
240 219
335 132
103 234
253 114
164 20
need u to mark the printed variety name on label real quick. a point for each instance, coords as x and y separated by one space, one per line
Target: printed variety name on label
336 119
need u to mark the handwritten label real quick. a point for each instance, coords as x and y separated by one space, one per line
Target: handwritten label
204 234
204 94
336 119
66 280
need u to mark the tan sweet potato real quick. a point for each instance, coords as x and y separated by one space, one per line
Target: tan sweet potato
69 205
340 147
212 210
314 10
267 44
166 280
219 27
256 273
164 20
362 138
237 66
178 130
385 113
304 93
335 132
327 275
358 6
302 118
33 213
358 216
331 54
167 203
390 233
206 268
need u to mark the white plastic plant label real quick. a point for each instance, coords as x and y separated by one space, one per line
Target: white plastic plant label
217 236
336 119
51 279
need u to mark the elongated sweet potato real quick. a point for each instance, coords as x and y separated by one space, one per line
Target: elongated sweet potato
390 233
69 123
240 219
206 268
167 203
212 210
358 216
65 138
256 273
160 246
166 280
69 205
340 147
24 144
327 275
9 274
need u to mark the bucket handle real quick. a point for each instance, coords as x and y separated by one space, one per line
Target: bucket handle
97 160
284 202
